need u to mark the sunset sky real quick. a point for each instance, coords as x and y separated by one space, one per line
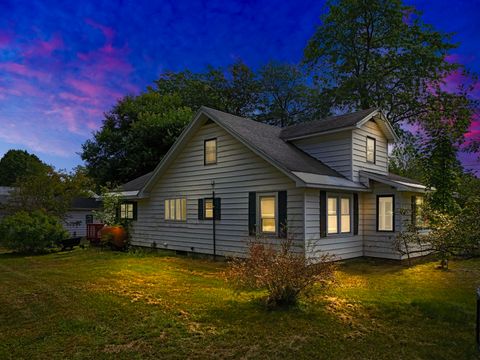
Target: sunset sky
62 64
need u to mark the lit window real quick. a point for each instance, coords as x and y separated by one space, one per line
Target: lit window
126 211
420 220
371 144
208 208
176 209
345 215
332 215
385 213
267 214
210 151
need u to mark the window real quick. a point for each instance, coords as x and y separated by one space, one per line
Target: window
88 219
345 215
339 214
210 152
332 215
127 211
371 147
420 221
176 209
208 209
385 214
267 214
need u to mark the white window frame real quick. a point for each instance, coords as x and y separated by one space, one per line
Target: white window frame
259 212
171 209
205 162
125 212
205 201
339 197
380 196
374 150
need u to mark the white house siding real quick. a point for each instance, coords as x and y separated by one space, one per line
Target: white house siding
75 222
382 244
340 246
359 150
237 172
335 150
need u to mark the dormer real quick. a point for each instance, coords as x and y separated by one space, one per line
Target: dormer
347 143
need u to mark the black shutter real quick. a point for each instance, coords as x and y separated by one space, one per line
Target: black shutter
355 214
200 209
414 211
282 214
118 212
252 212
217 208
323 214
134 210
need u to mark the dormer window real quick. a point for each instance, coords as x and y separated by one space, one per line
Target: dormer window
371 148
210 152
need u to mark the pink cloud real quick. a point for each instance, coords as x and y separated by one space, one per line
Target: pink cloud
13 134
108 32
42 48
93 89
23 70
72 100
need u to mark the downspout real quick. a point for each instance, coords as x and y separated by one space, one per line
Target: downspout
213 221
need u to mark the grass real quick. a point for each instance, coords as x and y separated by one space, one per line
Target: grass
97 304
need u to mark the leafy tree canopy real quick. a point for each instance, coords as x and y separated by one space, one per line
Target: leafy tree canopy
49 191
379 53
138 131
18 163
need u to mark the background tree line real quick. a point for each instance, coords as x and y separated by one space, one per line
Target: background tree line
367 53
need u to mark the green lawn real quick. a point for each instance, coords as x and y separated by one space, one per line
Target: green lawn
93 304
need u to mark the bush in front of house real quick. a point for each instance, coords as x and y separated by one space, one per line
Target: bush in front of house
31 232
280 269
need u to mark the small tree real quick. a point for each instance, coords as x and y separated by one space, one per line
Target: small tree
111 201
449 235
280 270
34 232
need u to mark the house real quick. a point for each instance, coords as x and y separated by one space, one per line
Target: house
80 214
77 217
228 178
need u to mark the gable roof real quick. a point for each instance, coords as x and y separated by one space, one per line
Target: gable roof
266 139
338 123
262 139
136 184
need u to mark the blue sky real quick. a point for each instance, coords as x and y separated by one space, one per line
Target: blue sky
62 64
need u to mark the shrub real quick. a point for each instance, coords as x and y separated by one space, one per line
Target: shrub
33 232
449 235
280 270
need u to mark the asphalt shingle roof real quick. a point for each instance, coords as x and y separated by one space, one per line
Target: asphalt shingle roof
326 124
136 184
266 139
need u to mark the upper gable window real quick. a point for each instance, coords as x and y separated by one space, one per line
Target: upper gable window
210 151
371 148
